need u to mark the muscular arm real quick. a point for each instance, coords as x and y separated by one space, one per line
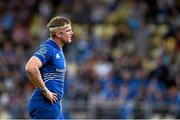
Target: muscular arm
32 69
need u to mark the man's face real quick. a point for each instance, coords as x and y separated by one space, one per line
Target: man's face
65 33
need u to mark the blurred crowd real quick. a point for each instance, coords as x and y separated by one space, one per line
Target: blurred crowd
125 54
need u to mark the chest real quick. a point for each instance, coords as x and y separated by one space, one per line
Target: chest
58 60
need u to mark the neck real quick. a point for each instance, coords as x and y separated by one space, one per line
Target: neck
58 42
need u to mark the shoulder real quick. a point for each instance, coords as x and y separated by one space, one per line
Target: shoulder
44 49
45 46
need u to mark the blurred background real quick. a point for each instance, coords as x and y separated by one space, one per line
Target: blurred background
124 61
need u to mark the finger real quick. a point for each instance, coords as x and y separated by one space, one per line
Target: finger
54 94
55 98
51 101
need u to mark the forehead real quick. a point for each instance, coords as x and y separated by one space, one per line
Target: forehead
68 26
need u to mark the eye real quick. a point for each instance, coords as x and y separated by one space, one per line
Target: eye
69 30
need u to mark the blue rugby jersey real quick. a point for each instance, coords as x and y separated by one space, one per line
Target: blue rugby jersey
53 69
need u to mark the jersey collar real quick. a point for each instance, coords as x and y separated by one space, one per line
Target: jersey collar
54 44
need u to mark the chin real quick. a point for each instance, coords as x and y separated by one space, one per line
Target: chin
68 41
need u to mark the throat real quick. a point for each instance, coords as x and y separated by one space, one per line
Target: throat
58 42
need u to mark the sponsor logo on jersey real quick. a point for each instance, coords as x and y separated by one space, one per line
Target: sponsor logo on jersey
60 70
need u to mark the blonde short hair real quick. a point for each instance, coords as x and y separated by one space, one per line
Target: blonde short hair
56 22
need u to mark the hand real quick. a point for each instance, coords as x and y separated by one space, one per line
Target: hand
52 97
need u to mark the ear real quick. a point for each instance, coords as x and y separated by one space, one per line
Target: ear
58 34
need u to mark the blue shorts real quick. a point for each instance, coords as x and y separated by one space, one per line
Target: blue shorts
43 109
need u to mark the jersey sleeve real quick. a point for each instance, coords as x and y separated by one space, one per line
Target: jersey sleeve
43 53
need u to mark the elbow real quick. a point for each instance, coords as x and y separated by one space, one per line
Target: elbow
29 68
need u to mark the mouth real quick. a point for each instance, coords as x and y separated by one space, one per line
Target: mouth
70 37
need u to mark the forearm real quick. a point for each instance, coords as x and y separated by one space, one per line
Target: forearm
35 77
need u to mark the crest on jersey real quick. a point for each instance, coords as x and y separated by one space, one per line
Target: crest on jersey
57 56
42 50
